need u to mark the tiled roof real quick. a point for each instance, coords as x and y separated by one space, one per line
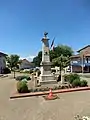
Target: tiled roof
1 53
83 48
25 60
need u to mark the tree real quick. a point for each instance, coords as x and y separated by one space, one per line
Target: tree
61 50
57 52
37 60
61 62
12 61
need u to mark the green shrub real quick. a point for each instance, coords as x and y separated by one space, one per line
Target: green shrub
62 87
71 77
6 71
59 78
39 72
76 83
25 80
53 70
74 77
36 70
26 71
66 77
84 83
31 71
19 78
34 73
22 87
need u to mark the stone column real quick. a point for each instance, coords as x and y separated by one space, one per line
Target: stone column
46 77
36 74
35 81
32 77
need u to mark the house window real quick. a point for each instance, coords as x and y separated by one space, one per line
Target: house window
74 62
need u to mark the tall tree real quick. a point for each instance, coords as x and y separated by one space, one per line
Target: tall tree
12 61
63 50
57 52
37 60
61 62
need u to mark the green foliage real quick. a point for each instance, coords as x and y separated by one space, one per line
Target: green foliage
71 77
59 78
53 70
61 62
12 61
39 72
76 83
37 60
25 80
6 70
74 80
31 71
66 77
22 87
84 83
61 50
20 78
64 50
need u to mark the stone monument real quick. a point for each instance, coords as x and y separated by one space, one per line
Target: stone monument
46 76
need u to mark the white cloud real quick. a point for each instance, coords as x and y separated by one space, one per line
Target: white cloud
29 58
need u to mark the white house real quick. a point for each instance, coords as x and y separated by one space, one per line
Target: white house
2 62
25 64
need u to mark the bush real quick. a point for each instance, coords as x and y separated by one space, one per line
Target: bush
19 78
6 71
66 78
25 80
39 72
22 87
76 83
31 71
84 83
59 78
53 70
71 77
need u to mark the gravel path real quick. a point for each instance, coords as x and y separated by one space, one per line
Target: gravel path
36 108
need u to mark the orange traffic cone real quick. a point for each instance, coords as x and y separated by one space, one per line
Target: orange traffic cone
50 96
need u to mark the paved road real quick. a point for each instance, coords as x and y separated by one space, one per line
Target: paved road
36 108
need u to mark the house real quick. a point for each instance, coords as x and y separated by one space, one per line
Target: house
25 64
2 62
81 61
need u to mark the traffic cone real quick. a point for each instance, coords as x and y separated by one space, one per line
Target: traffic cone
50 96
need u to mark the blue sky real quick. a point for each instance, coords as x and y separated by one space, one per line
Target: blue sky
22 23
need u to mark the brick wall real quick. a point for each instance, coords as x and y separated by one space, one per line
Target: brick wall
85 51
76 69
